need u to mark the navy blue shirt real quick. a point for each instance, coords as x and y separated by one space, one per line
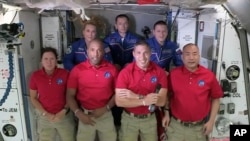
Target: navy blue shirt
162 55
121 50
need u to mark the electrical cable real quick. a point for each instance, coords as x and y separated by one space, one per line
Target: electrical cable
11 76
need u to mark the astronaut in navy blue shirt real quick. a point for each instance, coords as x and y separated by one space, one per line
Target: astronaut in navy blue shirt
121 42
77 52
163 50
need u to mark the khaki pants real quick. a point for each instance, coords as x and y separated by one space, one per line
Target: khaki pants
47 130
178 132
104 127
131 127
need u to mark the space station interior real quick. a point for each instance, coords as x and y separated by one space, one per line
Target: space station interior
220 28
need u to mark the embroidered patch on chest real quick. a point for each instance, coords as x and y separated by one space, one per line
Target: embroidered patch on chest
69 50
107 50
132 41
107 74
201 83
167 51
153 79
59 81
80 49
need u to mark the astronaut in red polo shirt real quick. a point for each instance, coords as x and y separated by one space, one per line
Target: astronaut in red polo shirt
48 96
90 94
136 92
194 99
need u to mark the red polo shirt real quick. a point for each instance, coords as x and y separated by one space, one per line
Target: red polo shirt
141 82
192 93
51 89
95 85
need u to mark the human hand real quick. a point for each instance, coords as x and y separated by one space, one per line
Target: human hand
207 128
151 99
166 119
125 93
59 115
50 117
86 119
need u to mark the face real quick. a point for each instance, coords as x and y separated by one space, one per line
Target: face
122 25
191 57
160 32
95 53
142 55
89 32
49 61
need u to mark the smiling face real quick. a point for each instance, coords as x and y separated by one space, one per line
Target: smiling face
142 55
160 32
95 52
191 57
49 62
89 32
